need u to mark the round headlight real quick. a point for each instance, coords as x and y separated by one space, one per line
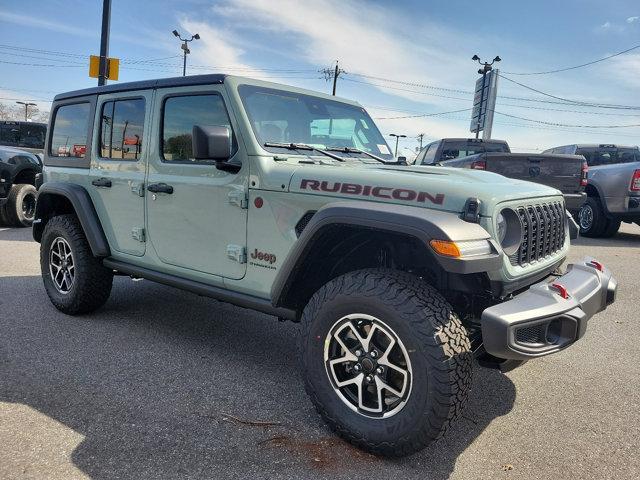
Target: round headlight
501 226
509 230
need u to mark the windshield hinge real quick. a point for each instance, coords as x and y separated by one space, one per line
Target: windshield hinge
138 234
237 253
238 196
137 189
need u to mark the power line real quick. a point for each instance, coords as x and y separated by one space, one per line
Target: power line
411 84
563 124
574 102
576 66
424 114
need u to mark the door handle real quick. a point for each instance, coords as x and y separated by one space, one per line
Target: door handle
160 188
102 182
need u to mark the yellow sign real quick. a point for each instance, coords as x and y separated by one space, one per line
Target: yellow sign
113 67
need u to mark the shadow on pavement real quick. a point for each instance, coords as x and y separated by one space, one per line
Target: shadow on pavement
15 234
165 384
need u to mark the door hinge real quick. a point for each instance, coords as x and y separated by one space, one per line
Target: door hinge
237 253
238 196
138 189
139 234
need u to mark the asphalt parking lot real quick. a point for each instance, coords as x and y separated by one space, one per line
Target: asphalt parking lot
164 384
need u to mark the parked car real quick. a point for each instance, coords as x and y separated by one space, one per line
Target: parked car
18 170
27 136
567 173
289 202
613 189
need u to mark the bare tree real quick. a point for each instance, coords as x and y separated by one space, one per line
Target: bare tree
6 111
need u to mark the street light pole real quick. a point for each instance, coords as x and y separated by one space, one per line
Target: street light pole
26 108
420 137
398 137
185 49
486 68
104 43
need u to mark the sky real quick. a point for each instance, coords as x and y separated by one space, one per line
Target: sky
401 59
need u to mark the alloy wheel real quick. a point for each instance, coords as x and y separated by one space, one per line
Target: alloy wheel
61 265
368 366
585 217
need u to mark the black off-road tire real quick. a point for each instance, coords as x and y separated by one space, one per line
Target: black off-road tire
598 224
611 228
92 282
437 344
4 221
15 215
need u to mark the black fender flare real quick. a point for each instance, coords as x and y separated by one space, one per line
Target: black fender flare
421 223
83 208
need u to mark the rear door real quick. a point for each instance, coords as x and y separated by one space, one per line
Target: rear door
563 172
121 130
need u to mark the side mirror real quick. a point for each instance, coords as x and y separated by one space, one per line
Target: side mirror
402 160
213 142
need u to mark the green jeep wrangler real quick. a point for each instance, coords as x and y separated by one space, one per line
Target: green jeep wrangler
289 202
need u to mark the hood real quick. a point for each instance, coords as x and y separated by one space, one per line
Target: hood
435 187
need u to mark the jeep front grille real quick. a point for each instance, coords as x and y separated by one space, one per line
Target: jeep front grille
543 232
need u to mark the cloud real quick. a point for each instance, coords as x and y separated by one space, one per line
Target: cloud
632 19
31 21
605 26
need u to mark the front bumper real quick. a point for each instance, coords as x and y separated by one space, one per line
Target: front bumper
551 315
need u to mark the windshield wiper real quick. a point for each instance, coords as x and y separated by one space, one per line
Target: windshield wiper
303 146
357 150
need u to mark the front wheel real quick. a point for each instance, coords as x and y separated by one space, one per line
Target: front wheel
386 361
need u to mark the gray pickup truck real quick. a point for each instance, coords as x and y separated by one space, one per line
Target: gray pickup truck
565 172
613 190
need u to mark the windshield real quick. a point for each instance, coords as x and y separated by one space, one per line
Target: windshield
21 134
452 150
279 116
608 156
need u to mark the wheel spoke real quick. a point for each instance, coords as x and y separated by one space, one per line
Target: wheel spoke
382 385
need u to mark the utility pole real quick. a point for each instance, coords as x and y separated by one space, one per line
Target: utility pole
104 42
185 49
26 108
398 137
486 68
419 138
332 73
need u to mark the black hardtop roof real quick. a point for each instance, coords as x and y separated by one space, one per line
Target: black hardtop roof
144 84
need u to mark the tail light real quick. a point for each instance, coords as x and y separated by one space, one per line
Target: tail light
635 181
479 165
584 174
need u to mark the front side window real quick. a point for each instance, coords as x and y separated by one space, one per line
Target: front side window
430 154
279 116
70 130
121 129
180 114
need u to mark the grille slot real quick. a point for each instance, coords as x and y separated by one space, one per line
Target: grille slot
543 232
533 334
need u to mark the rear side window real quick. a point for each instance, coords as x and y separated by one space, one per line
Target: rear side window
121 129
180 114
70 130
600 156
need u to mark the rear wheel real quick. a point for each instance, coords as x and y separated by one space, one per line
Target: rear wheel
21 205
591 218
74 279
385 359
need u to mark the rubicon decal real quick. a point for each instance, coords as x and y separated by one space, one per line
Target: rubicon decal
372 191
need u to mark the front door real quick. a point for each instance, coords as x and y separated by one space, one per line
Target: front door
118 167
196 213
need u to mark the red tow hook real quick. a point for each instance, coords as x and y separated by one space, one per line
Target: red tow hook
562 291
597 265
